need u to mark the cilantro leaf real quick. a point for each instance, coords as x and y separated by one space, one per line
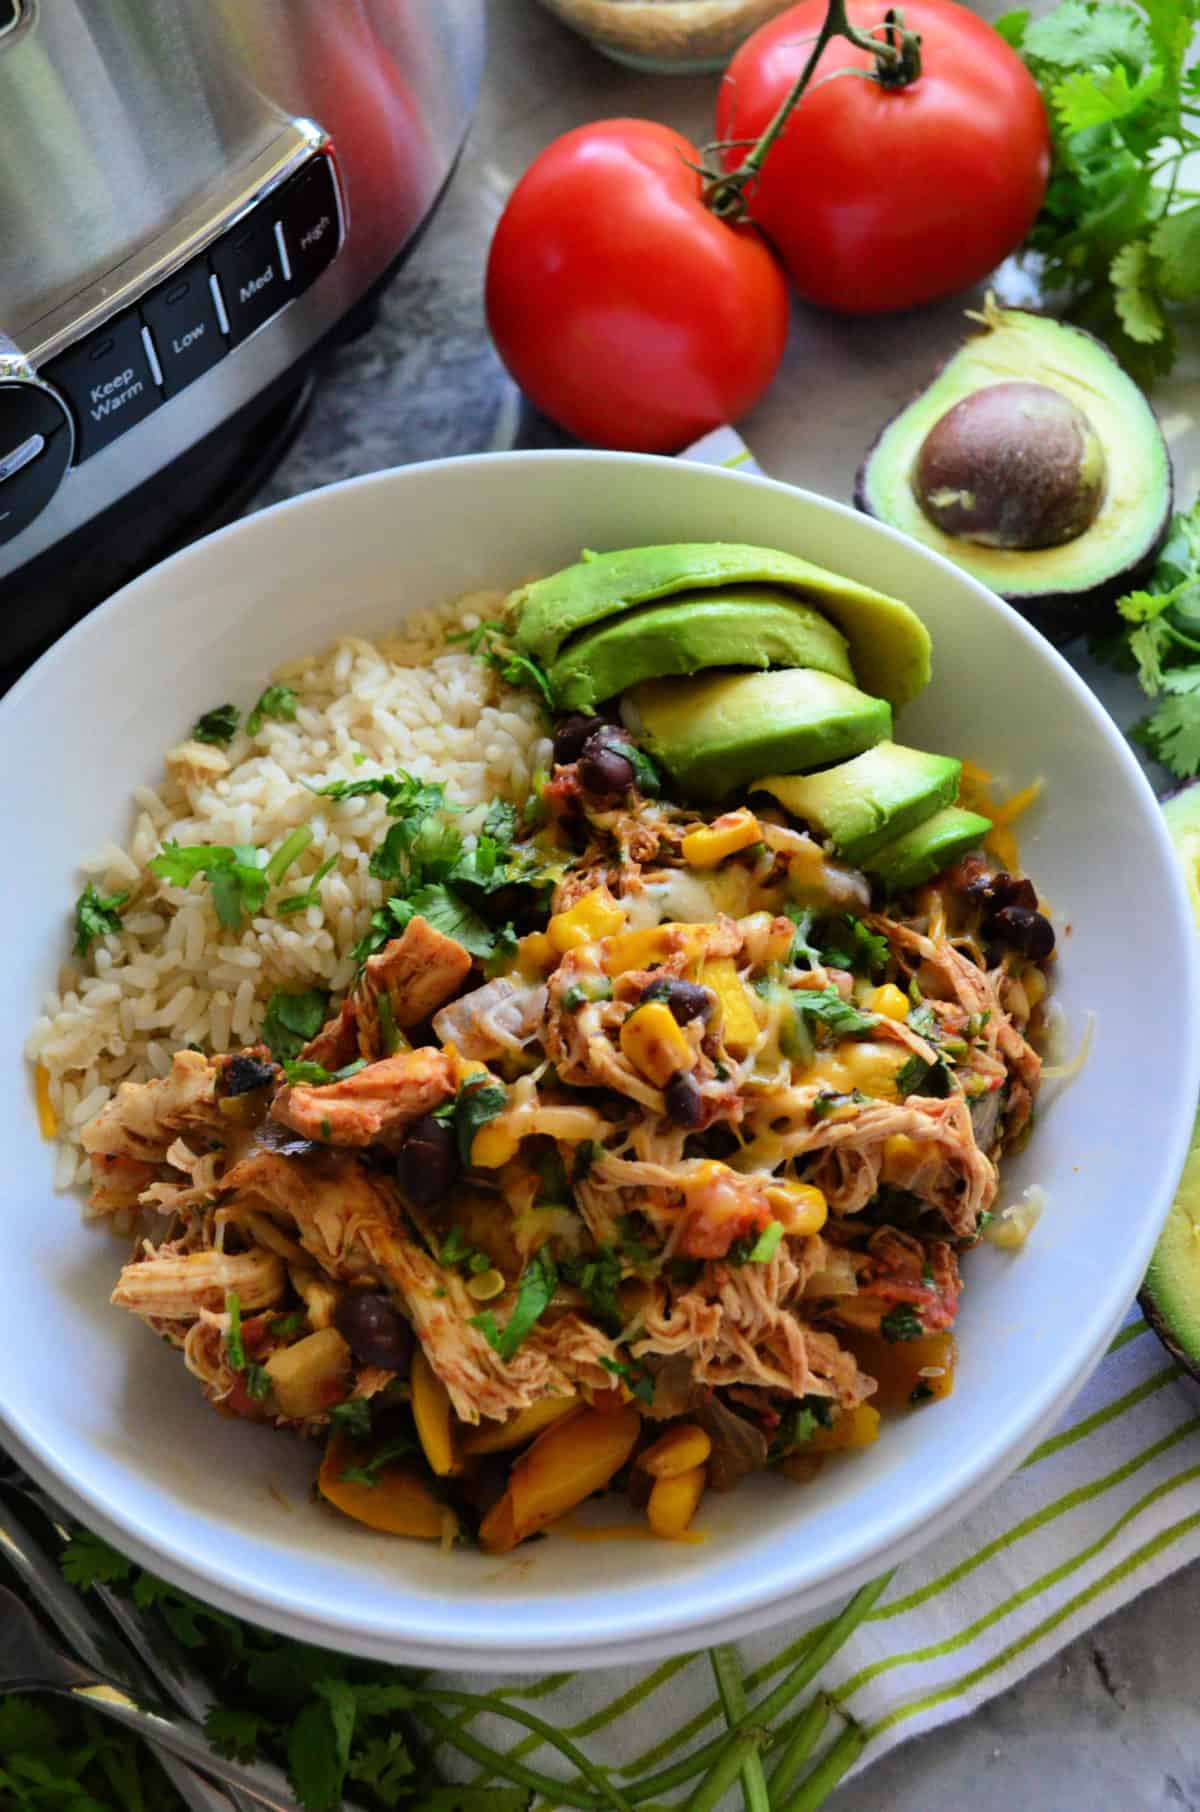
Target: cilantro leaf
917 1077
235 1352
96 915
217 726
89 1561
1081 33
1133 276
278 702
902 1323
1086 99
239 882
352 1418
292 1020
535 1288
318 1751
1172 732
234 1731
479 1100
1175 243
638 1380
490 645
447 911
599 1277
827 1007
368 1472
500 823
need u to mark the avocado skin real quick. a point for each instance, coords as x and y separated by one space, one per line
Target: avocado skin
918 854
869 801
1164 1292
736 626
890 647
715 732
1059 611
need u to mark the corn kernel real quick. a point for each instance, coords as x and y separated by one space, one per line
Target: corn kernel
1034 983
673 1503
901 1156
873 1067
856 1427
596 915
739 1021
493 1145
799 1207
536 955
634 950
679 1450
723 837
655 1044
890 1001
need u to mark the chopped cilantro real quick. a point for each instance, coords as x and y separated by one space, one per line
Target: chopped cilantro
278 702
288 1324
645 774
766 1245
599 1277
352 1418
500 822
317 1076
830 1102
96 915
586 992
292 847
292 1020
235 1350
218 725
639 1381
846 943
299 902
535 1289
257 1380
902 1323
917 1077
447 911
479 1100
799 1424
827 1007
368 1473
238 880
490 645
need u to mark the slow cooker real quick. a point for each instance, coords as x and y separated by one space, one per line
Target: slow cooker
196 198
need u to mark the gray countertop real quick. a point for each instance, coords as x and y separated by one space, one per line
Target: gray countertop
1113 1724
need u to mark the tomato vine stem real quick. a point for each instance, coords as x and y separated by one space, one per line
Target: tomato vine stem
897 63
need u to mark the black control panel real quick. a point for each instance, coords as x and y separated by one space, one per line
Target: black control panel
35 450
140 359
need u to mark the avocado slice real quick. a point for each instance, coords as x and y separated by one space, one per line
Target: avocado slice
1032 461
1170 1294
924 851
737 626
715 732
862 804
889 644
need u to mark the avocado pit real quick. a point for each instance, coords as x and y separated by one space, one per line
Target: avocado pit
1012 465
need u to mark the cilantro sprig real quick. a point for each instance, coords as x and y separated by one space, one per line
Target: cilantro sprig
96 915
1119 229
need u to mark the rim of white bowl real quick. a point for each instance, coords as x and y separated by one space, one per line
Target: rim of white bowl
737 1606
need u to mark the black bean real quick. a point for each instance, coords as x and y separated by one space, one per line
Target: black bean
1012 890
375 1331
685 1103
571 735
1029 932
687 1000
427 1162
243 1074
602 767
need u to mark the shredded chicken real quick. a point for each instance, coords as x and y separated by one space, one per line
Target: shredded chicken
165 1286
371 1107
417 971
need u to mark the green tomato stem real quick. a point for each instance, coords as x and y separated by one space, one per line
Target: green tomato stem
897 64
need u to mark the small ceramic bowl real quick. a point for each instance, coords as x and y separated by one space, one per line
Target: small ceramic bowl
107 1418
667 37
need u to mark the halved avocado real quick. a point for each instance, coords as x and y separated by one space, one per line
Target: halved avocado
1170 1295
921 853
862 804
714 732
736 626
889 644
1034 462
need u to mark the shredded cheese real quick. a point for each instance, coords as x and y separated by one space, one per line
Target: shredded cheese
47 1118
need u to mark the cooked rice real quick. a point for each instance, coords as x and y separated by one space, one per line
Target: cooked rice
175 976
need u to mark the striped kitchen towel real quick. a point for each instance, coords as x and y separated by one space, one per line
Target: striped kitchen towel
1105 1507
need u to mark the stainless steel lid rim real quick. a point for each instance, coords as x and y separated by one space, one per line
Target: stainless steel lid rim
150 349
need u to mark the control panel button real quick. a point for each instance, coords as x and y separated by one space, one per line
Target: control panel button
307 211
182 318
248 268
108 382
35 450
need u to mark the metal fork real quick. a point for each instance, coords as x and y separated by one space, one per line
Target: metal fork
35 1565
31 1661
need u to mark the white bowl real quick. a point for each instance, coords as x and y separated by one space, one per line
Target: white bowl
107 1418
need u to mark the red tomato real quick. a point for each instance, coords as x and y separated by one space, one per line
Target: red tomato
879 198
622 307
